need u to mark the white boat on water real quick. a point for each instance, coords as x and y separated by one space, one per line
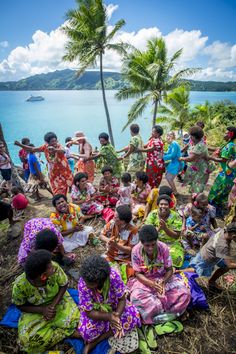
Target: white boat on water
35 98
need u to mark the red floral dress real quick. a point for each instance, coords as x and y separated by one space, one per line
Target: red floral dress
60 175
155 166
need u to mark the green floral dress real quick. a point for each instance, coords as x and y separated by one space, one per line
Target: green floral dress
35 333
198 171
225 180
174 223
108 156
136 159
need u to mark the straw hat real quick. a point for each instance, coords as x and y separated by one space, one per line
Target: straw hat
79 136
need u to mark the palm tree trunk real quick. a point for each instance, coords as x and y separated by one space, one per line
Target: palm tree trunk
15 175
155 113
105 103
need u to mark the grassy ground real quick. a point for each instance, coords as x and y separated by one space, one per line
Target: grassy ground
208 332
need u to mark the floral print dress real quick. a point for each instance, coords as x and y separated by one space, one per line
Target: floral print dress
225 180
138 207
155 166
90 299
59 171
198 171
88 207
174 223
108 156
147 300
136 159
36 335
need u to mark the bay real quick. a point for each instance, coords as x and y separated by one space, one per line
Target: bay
65 112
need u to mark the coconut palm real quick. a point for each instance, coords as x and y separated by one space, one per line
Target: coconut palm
148 74
206 113
89 38
176 111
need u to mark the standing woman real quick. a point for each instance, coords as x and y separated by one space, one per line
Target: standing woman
59 171
107 156
174 166
136 157
199 168
224 181
85 151
155 165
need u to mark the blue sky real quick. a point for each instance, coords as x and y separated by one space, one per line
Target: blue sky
30 41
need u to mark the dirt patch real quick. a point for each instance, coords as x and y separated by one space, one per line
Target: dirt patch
210 332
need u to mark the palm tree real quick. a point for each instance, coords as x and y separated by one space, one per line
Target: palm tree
148 74
177 111
87 30
206 113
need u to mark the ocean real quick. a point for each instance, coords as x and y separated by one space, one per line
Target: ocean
65 112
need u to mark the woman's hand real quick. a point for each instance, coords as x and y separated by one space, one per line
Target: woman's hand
17 143
49 312
115 321
162 225
160 286
121 158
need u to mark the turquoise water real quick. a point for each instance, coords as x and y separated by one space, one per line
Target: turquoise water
65 112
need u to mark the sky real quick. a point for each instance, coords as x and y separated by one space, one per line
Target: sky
31 40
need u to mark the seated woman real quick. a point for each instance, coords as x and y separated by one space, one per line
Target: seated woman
153 196
108 187
208 221
169 225
48 312
120 236
69 219
31 230
105 310
155 290
140 194
84 194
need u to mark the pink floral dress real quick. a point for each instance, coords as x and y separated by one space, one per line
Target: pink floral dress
155 166
89 206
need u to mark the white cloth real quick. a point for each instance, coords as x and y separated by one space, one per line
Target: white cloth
77 239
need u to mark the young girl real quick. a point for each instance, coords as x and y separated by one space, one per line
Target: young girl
125 190
19 202
108 187
195 233
5 167
48 312
84 194
140 194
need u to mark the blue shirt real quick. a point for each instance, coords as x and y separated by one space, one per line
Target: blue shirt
173 154
31 160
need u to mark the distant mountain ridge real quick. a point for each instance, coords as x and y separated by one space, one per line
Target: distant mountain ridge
68 80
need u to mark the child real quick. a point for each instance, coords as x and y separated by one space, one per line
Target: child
48 312
108 187
125 190
218 251
195 233
5 167
23 155
36 179
68 151
19 202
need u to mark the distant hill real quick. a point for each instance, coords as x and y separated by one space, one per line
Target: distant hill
68 80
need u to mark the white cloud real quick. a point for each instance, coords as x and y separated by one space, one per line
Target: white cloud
4 44
110 9
45 52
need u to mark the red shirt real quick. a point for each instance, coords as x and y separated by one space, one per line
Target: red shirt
20 202
23 155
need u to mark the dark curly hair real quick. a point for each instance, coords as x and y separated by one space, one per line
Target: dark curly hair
142 176
126 177
233 130
95 269
107 169
79 176
164 197
49 136
196 132
148 233
134 128
104 136
124 213
158 129
165 190
57 197
36 263
231 228
46 239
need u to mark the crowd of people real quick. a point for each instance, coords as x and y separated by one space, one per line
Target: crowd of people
147 236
